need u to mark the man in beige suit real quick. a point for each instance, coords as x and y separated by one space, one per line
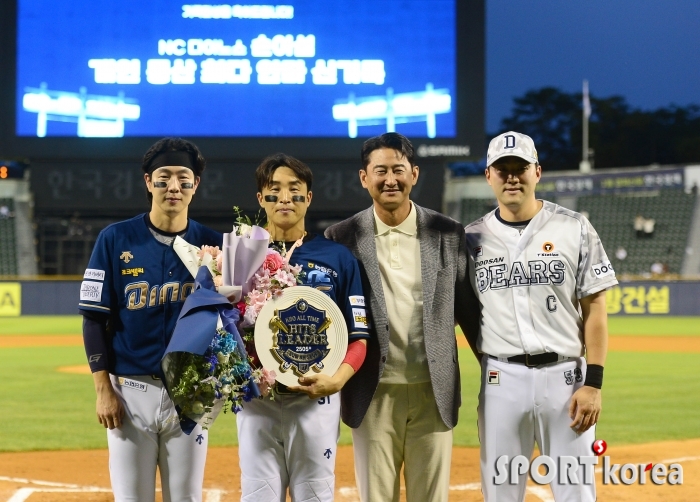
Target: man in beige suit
403 402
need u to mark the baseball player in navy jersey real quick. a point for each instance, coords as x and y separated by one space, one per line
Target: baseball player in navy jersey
540 274
289 443
130 298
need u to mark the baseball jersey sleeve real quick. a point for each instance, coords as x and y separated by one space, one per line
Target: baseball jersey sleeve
98 283
351 301
595 272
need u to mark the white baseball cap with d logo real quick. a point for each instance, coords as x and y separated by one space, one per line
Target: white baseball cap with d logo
511 143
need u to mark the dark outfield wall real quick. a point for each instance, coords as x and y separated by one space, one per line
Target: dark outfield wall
629 298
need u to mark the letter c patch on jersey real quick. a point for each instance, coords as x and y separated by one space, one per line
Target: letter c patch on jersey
494 377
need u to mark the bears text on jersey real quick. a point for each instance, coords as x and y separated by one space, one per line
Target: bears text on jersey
534 272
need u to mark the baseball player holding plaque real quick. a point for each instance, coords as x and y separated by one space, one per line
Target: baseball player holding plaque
130 298
289 443
540 273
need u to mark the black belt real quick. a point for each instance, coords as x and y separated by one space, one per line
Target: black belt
280 388
534 360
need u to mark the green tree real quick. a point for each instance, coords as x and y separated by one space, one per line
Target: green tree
619 134
552 119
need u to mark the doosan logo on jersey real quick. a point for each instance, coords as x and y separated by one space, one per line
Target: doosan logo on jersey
603 269
538 272
489 261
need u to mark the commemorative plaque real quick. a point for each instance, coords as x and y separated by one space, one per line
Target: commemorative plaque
301 332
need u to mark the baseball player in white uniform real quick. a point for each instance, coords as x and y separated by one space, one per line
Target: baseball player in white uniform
289 444
540 274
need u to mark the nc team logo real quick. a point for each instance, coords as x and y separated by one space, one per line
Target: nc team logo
300 341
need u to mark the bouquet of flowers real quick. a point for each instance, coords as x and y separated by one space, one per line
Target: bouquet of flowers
274 275
227 383
206 330
205 365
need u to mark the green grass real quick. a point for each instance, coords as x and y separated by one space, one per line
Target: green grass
650 397
647 397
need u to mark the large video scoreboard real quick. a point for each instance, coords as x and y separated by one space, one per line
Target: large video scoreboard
312 77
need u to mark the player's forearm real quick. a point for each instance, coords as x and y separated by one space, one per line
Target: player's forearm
352 362
595 328
102 382
341 377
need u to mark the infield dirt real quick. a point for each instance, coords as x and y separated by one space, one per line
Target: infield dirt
48 476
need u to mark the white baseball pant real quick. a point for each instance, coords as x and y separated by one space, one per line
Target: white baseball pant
290 443
150 436
519 406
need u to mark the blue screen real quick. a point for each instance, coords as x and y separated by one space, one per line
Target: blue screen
305 68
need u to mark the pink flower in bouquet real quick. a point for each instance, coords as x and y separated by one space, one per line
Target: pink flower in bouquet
273 261
267 380
218 280
257 299
262 279
255 302
213 251
249 318
219 261
285 279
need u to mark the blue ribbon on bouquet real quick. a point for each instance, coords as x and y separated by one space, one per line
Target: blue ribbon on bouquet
196 328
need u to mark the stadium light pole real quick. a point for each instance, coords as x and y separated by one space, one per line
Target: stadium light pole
585 165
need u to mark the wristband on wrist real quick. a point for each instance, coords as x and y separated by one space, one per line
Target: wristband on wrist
594 376
355 355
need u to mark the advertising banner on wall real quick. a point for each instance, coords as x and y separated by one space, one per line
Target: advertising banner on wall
652 298
611 182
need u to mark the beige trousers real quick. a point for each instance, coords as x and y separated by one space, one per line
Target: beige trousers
403 427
